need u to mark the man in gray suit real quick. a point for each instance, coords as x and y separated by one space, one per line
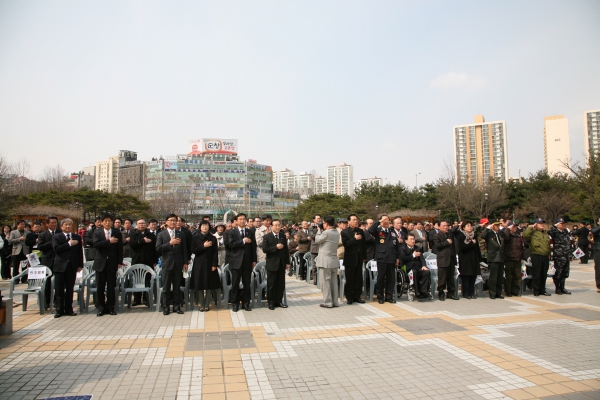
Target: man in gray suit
19 248
421 238
328 263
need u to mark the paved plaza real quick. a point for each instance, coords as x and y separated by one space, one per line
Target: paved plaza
518 348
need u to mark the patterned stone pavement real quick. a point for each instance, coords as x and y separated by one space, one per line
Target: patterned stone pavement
518 348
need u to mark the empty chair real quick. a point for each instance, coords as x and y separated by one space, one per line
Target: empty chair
34 286
134 281
226 283
308 262
260 283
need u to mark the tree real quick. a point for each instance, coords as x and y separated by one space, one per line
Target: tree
323 204
587 179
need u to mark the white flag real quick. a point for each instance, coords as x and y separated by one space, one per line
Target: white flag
578 253
411 277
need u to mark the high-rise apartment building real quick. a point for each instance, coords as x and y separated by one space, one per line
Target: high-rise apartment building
556 144
480 151
591 132
340 180
320 185
107 175
282 180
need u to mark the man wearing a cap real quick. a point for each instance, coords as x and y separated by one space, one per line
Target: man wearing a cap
483 223
539 245
513 254
495 258
561 251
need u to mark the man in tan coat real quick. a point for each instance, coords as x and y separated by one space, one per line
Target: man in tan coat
328 263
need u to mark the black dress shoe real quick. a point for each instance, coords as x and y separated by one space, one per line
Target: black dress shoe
391 301
178 311
564 291
509 295
135 303
453 297
536 294
72 314
380 301
57 315
166 311
100 313
349 302
361 301
441 296
247 307
492 296
271 306
235 307
546 294
282 305
324 306
499 296
112 312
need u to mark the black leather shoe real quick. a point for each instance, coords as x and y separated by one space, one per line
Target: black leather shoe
546 294
113 312
380 301
166 311
564 291
324 306
452 297
235 307
271 306
135 303
349 302
178 311
509 295
500 296
492 296
361 301
441 296
100 313
536 294
72 314
57 315
247 307
282 305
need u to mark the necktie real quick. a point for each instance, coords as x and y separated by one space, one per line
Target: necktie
107 235
68 237
52 232
243 232
172 234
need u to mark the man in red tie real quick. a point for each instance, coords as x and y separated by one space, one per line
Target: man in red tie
108 243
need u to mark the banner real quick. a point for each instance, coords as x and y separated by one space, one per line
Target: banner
432 263
36 273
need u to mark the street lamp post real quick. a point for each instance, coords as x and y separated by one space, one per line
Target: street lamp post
486 205
417 179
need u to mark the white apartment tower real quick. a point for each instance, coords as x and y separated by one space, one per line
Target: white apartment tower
282 180
480 151
107 175
340 180
591 132
556 144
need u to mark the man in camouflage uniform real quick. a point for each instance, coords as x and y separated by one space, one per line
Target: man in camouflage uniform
562 248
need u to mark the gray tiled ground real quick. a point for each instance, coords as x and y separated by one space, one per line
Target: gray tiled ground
584 295
570 346
423 326
483 306
575 396
361 368
584 314
219 340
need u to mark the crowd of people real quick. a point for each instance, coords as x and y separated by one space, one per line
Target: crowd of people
494 250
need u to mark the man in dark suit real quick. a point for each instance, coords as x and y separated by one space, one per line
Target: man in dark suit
67 263
108 242
241 253
31 240
184 229
583 241
171 245
435 228
443 247
304 242
45 246
387 255
369 239
277 262
354 257
88 240
143 251
411 255
495 258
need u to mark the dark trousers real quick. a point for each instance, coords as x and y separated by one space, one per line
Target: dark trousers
244 274
468 285
302 271
354 281
173 278
496 278
64 283
275 285
446 278
512 283
6 264
16 263
385 281
539 273
106 280
584 258
422 280
563 267
597 268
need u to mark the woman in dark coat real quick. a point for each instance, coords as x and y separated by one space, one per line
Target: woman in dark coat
469 257
5 253
205 276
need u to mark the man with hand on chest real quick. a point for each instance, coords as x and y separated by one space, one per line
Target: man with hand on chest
108 242
277 262
241 255
67 263
387 255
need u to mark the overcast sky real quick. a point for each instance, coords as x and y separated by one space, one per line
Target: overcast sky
300 84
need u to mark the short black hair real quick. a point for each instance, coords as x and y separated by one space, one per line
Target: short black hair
128 219
267 216
239 215
115 220
398 217
21 221
37 222
107 215
316 215
276 220
409 234
204 222
49 217
98 219
206 217
171 216
352 215
153 220
329 220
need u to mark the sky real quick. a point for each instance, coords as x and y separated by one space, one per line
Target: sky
301 84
